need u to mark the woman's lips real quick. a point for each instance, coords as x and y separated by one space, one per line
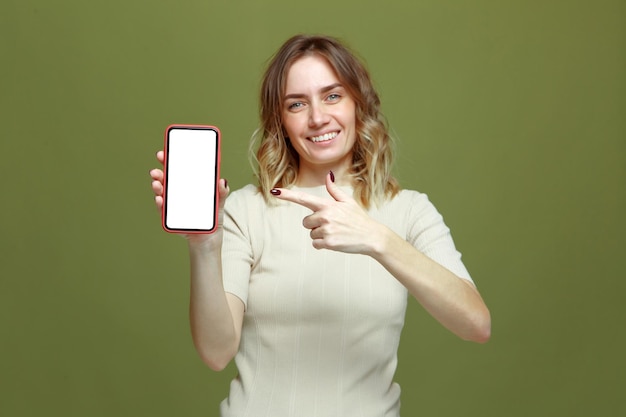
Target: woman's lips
325 137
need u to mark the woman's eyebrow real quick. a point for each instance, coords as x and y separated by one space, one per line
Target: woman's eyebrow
322 90
330 87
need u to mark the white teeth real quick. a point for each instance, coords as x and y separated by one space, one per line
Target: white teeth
327 136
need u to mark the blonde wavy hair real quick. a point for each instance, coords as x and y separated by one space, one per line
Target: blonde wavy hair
276 162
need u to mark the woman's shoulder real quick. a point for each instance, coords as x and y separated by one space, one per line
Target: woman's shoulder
247 191
410 197
247 195
412 204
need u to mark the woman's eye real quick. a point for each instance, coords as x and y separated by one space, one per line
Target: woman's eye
334 97
295 106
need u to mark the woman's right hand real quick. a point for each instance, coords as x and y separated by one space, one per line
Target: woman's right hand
157 182
215 316
158 187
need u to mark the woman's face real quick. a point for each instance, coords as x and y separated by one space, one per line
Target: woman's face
319 117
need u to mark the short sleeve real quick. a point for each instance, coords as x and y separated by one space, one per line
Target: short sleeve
237 253
430 235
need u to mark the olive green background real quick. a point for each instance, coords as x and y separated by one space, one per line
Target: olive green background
511 115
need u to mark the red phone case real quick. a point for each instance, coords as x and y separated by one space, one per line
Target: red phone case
165 178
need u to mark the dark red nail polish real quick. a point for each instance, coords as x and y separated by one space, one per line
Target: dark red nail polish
332 176
274 191
225 183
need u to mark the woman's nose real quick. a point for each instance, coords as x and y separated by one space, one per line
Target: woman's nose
317 115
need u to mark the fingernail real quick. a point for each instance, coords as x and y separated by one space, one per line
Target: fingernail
332 176
225 183
274 191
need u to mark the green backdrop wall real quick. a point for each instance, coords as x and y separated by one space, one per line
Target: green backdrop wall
511 115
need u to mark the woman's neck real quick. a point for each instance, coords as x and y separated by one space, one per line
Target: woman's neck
308 177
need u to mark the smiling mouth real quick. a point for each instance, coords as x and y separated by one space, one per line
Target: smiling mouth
324 138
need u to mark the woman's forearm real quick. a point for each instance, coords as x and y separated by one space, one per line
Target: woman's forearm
215 316
451 300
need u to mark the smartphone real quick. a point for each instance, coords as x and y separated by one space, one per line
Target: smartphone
191 175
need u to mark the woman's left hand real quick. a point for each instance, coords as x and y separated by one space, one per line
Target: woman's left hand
339 223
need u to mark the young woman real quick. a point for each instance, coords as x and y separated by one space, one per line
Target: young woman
305 282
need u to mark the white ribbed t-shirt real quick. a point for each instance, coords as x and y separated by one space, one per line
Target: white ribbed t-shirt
321 329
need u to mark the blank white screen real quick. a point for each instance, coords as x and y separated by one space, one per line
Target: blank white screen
190 179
